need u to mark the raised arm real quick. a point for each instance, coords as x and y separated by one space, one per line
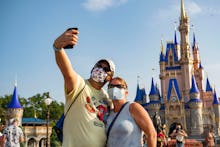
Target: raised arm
144 121
67 38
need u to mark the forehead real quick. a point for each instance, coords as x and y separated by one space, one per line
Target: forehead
115 81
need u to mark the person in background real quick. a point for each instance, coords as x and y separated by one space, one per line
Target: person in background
132 119
13 134
179 134
84 124
161 138
210 138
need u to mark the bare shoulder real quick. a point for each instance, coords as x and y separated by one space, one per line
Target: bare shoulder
136 108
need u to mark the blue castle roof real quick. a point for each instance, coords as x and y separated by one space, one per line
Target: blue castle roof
194 41
208 86
194 88
162 57
171 46
137 98
140 94
215 98
153 88
14 101
200 65
33 121
175 39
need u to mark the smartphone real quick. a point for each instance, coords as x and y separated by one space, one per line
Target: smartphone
70 46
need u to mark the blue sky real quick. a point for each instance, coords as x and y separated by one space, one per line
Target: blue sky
127 31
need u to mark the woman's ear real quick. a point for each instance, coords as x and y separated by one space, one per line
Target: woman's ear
126 92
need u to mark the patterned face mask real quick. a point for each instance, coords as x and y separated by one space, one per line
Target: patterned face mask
98 75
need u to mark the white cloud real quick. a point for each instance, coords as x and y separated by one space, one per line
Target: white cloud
100 5
193 8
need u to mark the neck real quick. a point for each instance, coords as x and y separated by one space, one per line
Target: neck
118 104
95 84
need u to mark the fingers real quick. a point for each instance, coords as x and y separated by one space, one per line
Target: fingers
67 38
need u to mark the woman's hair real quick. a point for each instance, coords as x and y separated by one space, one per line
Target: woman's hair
122 81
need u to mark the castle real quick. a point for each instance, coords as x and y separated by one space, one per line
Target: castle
183 97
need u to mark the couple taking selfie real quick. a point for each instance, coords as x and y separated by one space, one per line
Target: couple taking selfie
99 118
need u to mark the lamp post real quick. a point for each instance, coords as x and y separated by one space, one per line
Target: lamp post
48 101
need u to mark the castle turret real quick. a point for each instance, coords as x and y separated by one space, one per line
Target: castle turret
216 106
140 95
15 110
154 104
195 105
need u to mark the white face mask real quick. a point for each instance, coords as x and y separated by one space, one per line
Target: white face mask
98 75
116 93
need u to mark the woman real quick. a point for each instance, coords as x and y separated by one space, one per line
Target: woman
179 134
127 120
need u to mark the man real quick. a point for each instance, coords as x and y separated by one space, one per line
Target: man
13 135
127 120
83 124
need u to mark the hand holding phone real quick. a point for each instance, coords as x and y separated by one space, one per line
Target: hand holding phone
70 46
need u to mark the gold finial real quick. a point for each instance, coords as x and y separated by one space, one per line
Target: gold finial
183 13
161 45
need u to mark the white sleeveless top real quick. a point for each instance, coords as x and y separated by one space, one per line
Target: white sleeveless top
124 132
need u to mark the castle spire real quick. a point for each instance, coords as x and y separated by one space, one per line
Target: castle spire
194 88
161 46
14 100
138 94
153 90
162 57
194 39
208 86
175 38
215 98
183 13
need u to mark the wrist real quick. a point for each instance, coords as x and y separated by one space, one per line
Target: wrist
56 49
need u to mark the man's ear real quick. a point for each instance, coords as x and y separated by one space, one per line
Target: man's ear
109 76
